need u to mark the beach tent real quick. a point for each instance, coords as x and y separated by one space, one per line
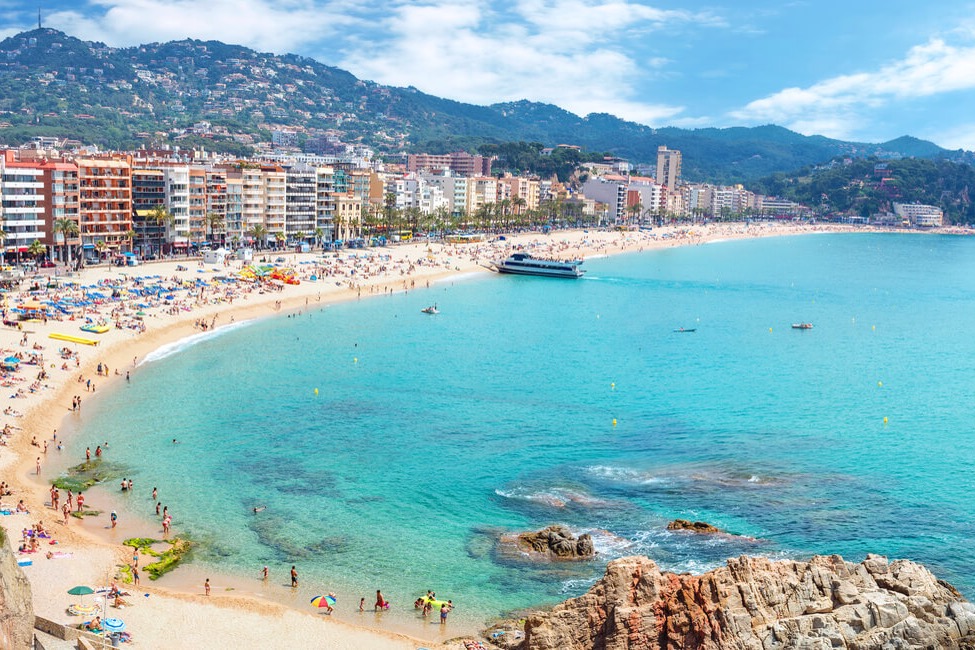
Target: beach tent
215 256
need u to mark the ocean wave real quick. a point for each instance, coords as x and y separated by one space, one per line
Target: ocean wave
624 474
556 497
176 347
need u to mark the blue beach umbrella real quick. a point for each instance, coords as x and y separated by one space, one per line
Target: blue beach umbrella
112 625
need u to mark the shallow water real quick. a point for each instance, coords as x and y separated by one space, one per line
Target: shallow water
529 401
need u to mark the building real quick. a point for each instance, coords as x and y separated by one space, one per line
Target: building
149 203
60 201
920 215
21 205
459 162
668 167
104 205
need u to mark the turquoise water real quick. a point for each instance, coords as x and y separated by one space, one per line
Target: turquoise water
528 402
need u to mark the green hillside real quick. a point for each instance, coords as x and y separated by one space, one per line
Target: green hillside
52 84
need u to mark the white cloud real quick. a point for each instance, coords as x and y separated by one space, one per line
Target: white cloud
564 52
840 106
278 26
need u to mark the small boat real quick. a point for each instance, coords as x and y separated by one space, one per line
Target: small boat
802 326
95 328
525 264
432 309
685 329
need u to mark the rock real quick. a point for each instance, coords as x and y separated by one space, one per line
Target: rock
552 543
753 603
16 602
694 526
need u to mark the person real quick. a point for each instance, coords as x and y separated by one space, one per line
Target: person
154 493
443 614
135 557
87 453
114 518
125 486
98 451
135 575
130 485
158 504
80 501
362 604
21 506
328 603
294 576
381 603
119 603
94 625
206 586
65 509
264 573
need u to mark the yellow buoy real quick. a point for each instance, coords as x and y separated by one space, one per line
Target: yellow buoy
885 419
873 327
355 359
880 384
614 422
316 391
613 386
770 329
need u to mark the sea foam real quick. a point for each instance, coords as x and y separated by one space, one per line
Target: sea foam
176 347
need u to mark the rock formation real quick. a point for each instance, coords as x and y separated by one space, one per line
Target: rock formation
693 526
16 603
552 543
753 603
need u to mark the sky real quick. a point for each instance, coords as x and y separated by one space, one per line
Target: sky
862 70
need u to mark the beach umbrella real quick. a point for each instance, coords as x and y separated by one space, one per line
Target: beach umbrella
81 590
112 625
323 602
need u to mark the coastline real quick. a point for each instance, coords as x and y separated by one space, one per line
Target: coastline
249 622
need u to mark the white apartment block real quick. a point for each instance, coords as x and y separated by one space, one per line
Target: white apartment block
920 215
21 206
300 209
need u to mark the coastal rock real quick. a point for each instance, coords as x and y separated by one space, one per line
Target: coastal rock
552 543
753 603
16 602
694 526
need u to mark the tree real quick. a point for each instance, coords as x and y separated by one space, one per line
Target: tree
259 233
130 235
68 229
319 235
37 249
159 216
100 246
279 238
214 222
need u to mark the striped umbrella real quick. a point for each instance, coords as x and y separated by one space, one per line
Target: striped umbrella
324 602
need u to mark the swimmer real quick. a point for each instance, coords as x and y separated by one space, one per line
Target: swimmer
260 509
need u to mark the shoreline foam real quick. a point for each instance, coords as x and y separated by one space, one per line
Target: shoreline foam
94 560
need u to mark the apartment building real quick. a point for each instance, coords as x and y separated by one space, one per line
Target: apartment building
21 205
300 209
104 204
60 203
148 202
459 162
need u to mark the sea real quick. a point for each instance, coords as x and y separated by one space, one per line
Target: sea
390 449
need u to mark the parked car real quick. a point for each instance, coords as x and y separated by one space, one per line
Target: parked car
48 264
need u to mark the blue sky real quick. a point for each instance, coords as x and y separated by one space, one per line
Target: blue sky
866 70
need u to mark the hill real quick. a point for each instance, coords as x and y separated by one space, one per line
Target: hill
228 97
869 186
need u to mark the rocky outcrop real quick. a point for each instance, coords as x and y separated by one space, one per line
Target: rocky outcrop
552 543
16 602
693 526
753 603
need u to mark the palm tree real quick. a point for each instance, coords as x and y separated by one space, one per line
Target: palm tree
68 229
37 249
130 235
279 238
159 215
100 246
259 233
214 221
300 238
319 235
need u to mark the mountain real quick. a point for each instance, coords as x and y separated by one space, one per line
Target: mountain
227 98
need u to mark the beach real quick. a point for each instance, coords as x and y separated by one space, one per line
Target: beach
141 324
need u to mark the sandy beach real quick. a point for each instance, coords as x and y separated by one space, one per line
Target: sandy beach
149 306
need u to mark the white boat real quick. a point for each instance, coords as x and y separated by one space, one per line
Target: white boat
525 264
432 309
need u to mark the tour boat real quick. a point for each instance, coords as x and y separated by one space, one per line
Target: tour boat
802 326
525 264
432 309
